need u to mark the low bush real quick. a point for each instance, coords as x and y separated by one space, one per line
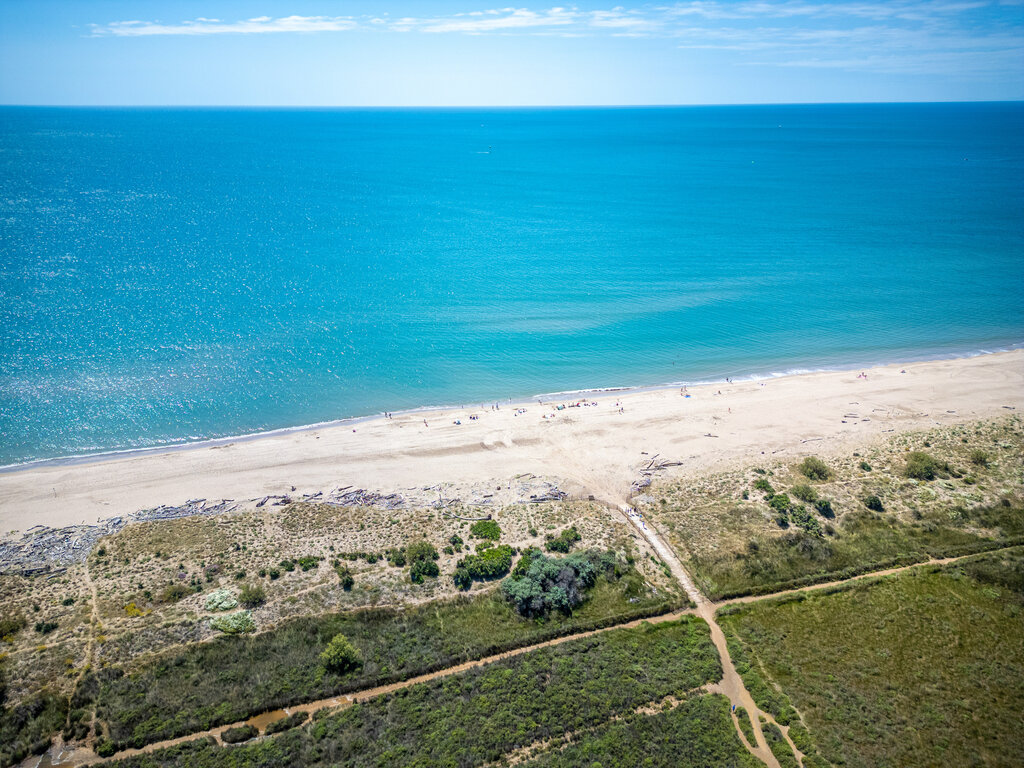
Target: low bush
814 468
865 466
564 541
346 578
422 569
220 600
804 492
485 529
173 593
780 502
45 627
873 503
239 734
11 625
252 595
762 484
422 556
234 623
979 458
293 720
491 563
923 466
824 508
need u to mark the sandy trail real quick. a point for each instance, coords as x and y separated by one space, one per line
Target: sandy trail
593 449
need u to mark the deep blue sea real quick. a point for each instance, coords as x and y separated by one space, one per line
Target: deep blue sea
170 275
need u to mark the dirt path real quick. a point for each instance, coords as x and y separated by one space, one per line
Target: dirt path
262 720
90 648
731 684
860 577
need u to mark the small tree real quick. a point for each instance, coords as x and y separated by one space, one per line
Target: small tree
340 656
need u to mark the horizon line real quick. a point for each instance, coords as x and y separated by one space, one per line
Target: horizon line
508 106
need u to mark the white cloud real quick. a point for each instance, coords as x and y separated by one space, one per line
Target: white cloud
934 36
495 20
206 26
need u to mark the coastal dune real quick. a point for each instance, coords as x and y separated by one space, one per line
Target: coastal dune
593 449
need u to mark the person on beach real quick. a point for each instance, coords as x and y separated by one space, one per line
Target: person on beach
425 423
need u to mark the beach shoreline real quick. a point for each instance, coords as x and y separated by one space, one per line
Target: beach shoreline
590 450
515 401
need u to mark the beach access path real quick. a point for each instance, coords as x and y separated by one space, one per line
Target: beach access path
589 450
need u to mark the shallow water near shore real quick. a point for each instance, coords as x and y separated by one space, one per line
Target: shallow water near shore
177 275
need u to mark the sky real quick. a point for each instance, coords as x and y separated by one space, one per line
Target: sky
472 53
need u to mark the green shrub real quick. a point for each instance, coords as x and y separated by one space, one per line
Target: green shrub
105 748
873 503
485 529
421 569
462 578
252 595
346 578
762 484
421 550
564 541
308 562
288 565
422 555
396 557
45 627
554 583
11 625
492 563
979 458
922 466
220 600
780 502
804 492
824 508
239 734
173 593
293 720
456 542
865 466
814 469
340 656
801 518
234 623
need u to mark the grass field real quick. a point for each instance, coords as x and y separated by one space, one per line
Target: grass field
922 668
477 717
231 678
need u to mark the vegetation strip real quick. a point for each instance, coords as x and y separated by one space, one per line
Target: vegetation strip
903 659
532 696
370 693
232 678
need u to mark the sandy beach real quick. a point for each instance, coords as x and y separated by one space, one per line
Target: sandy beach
592 449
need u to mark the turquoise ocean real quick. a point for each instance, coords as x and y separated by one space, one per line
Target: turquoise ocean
172 275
